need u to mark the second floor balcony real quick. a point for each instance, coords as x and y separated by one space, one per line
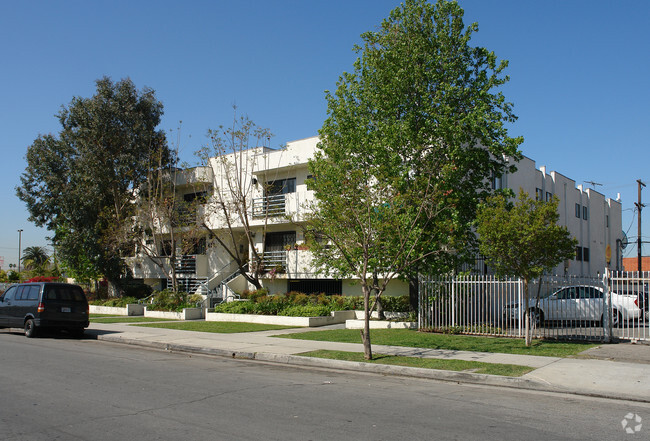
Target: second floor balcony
269 206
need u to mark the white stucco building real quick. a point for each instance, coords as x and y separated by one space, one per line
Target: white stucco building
274 183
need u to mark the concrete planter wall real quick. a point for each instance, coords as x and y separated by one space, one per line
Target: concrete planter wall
130 309
380 324
187 314
360 315
335 318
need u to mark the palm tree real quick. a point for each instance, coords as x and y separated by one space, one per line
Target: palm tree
35 257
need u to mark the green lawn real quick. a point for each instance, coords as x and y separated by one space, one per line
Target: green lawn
125 319
217 327
415 339
510 370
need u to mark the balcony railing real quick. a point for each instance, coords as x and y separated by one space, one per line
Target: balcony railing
185 217
273 260
186 265
269 206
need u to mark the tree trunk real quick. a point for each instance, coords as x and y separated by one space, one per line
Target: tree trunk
365 333
414 291
113 288
380 309
527 329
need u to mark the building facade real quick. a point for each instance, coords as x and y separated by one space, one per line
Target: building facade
269 201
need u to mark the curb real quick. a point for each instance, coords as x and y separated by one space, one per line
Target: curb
403 371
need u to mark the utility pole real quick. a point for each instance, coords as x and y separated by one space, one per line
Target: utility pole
639 207
20 235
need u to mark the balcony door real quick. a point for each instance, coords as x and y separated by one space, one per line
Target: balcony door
278 241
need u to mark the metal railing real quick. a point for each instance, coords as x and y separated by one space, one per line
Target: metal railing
191 285
185 264
274 260
560 307
269 206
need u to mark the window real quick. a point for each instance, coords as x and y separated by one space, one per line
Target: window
201 196
549 196
585 213
32 294
607 220
578 211
316 286
199 246
539 194
19 292
579 254
9 294
281 186
585 254
279 241
497 182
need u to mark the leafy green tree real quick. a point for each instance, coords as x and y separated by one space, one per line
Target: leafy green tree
80 184
523 240
412 137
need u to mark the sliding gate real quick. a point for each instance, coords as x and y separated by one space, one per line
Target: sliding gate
561 307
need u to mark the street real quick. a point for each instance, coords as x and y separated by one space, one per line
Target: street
55 387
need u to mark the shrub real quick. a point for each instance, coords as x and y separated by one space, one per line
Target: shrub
306 311
236 308
299 304
118 302
168 300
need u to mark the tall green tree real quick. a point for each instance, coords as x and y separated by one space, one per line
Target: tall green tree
523 240
80 184
412 137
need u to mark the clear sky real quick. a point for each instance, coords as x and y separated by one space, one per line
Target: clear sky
579 77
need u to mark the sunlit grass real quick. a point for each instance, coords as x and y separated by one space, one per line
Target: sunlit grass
478 367
415 339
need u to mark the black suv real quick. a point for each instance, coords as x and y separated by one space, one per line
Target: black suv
33 306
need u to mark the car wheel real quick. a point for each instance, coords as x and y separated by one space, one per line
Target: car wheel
30 328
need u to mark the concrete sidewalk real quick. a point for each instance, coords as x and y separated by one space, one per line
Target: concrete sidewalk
620 371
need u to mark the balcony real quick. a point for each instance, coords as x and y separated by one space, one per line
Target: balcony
269 206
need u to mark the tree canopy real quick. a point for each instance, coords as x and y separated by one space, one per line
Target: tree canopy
412 138
80 184
523 239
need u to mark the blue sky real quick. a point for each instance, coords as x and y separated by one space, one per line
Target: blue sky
579 76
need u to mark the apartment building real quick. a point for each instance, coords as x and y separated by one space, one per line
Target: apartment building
274 185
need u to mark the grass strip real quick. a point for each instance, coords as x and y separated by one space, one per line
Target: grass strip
217 327
415 339
510 370
126 319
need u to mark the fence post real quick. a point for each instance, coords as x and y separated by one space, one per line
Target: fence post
453 301
607 313
521 308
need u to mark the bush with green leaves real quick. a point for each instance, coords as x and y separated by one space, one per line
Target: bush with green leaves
168 300
118 302
297 304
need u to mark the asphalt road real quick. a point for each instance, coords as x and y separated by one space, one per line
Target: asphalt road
58 388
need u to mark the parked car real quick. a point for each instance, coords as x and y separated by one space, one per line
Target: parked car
36 306
579 303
